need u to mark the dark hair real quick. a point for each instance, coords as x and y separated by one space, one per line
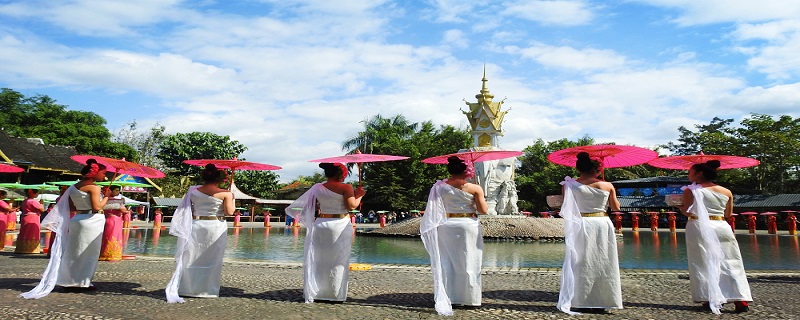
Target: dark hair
113 187
331 170
585 164
32 192
88 167
3 193
210 174
455 165
708 169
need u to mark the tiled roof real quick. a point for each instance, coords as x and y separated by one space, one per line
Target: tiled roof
170 202
749 201
30 152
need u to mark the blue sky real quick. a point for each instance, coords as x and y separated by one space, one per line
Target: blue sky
291 79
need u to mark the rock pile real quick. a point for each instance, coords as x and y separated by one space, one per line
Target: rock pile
512 228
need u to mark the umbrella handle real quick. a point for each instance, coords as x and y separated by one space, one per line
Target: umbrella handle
359 175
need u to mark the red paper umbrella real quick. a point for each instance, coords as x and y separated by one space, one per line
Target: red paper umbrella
474 156
686 162
7 168
233 164
610 155
359 158
121 166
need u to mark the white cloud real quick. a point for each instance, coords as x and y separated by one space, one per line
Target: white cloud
695 12
564 57
551 12
455 38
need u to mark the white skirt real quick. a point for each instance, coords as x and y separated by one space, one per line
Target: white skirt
332 241
202 265
597 281
81 250
461 250
732 279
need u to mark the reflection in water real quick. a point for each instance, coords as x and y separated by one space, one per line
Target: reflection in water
636 250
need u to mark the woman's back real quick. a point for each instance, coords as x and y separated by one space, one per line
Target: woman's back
81 200
457 200
591 199
330 202
715 202
205 205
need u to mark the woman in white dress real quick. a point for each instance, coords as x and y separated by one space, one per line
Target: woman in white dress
590 280
329 235
716 271
453 237
76 249
202 233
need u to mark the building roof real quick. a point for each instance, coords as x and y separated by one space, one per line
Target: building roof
169 202
651 182
746 202
35 154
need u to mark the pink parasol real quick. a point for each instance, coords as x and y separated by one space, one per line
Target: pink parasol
359 158
7 168
610 155
232 164
474 156
685 162
768 213
747 213
121 166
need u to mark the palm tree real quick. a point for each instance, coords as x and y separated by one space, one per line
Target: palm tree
378 129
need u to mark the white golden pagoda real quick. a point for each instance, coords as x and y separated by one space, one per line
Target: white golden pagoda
497 176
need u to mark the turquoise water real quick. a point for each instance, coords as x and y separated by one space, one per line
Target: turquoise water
642 250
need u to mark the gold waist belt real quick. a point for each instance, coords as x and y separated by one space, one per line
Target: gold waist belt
333 215
208 218
718 218
594 214
88 212
462 215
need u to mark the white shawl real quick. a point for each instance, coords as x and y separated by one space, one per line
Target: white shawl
712 249
435 215
307 203
57 221
181 227
572 230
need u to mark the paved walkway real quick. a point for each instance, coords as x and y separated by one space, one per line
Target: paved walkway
133 289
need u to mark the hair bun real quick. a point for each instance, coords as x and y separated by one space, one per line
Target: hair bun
211 166
583 155
454 160
326 165
90 161
713 164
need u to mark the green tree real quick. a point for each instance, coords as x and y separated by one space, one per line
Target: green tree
146 143
403 184
537 177
260 184
196 145
774 142
41 117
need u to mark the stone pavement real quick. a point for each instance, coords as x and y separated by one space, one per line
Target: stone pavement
133 289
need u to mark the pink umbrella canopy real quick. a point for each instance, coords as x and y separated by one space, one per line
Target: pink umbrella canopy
474 156
610 155
7 168
768 213
748 213
121 166
358 157
232 164
685 162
